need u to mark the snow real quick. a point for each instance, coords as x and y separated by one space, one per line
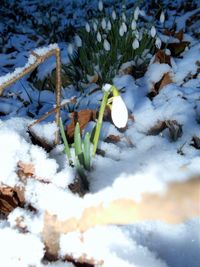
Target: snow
139 163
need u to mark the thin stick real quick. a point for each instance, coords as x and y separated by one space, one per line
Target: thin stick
39 60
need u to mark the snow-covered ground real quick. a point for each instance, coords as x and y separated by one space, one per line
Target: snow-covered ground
146 159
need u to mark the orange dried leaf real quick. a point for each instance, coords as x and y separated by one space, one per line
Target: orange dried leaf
161 57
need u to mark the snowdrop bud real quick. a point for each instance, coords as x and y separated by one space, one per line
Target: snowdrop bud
124 26
109 26
162 17
158 43
103 24
99 37
133 25
78 41
100 5
121 31
106 45
119 112
70 49
135 44
153 31
87 27
123 16
107 87
114 16
136 33
136 13
95 26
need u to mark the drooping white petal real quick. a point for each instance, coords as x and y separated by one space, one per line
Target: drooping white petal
136 13
162 17
103 24
100 5
119 112
87 27
123 16
158 43
124 26
135 44
121 31
106 45
78 40
114 16
99 37
133 25
70 49
94 26
153 31
109 26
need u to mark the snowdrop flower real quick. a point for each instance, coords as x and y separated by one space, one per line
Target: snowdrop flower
94 26
136 13
133 25
103 24
78 41
121 31
109 26
87 27
100 5
106 87
136 33
158 43
162 17
114 16
99 37
153 31
124 26
123 16
70 49
135 44
119 112
106 45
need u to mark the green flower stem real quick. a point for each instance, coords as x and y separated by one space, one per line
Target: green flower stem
100 119
67 149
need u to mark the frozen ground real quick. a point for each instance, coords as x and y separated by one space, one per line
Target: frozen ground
144 160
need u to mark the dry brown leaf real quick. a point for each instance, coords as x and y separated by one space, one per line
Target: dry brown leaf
177 48
179 35
161 58
9 199
25 169
157 128
166 79
113 139
83 117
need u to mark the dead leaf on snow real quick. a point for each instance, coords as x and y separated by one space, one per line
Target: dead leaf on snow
83 117
165 80
157 128
177 48
113 139
161 58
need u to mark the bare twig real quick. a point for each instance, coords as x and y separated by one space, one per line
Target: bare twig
39 59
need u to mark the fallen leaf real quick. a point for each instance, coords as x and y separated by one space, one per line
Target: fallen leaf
161 58
177 48
83 117
165 80
157 128
196 142
175 129
113 139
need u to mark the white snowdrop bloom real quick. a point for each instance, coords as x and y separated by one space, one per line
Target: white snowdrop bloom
124 26
119 112
162 17
121 31
70 49
133 25
109 26
136 33
103 24
94 26
99 37
123 16
136 13
106 45
135 44
153 31
114 16
158 43
100 5
87 27
78 41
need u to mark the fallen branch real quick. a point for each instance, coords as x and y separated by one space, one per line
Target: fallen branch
37 57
